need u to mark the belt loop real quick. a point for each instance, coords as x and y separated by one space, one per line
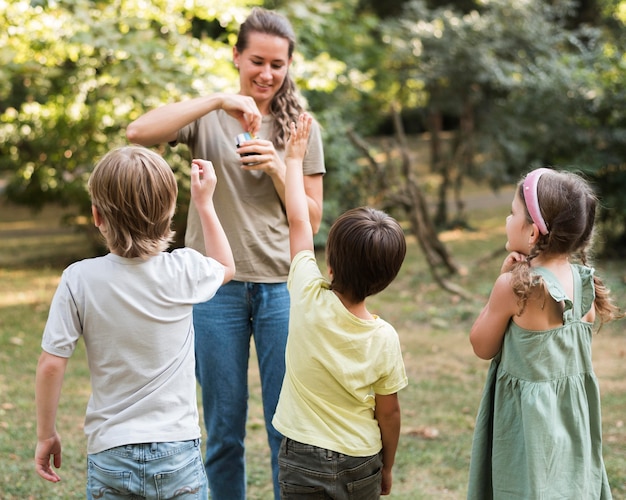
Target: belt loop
153 447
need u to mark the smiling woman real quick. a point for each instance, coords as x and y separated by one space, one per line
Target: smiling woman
249 200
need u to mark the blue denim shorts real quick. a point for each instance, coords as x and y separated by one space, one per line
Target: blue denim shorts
155 471
306 471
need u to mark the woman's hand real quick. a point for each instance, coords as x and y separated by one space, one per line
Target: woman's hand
263 157
244 109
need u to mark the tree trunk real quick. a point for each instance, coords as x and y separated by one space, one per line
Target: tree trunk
417 209
411 198
438 165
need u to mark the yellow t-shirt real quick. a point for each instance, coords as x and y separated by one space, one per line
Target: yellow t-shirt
335 364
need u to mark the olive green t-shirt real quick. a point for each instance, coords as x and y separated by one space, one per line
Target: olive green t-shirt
246 202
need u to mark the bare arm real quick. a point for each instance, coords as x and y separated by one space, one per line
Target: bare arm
48 382
487 333
313 194
162 124
296 203
203 182
388 416
314 189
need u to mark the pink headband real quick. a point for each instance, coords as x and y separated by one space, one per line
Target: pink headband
531 199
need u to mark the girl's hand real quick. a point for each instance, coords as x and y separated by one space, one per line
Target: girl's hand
510 261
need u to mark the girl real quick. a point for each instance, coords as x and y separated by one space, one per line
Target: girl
249 200
538 430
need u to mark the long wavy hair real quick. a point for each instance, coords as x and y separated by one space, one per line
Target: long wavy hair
568 206
285 106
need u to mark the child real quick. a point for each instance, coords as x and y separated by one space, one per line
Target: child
538 430
338 406
133 308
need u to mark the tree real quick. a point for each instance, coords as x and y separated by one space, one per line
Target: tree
396 185
509 73
523 82
74 74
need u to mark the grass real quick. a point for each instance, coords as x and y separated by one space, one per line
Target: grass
438 406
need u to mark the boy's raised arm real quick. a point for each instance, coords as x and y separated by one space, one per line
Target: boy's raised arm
300 229
203 181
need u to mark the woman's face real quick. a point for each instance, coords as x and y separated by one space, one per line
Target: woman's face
262 67
518 230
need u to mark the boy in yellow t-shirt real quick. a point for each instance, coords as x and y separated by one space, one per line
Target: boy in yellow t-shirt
338 407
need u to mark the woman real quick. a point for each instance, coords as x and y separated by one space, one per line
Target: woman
249 199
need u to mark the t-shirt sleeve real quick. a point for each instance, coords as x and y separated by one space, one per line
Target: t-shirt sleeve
186 134
302 272
64 325
207 275
314 159
391 364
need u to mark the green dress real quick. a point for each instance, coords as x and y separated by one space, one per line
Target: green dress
538 431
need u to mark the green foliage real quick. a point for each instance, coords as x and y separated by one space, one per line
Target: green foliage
438 406
66 98
540 88
74 74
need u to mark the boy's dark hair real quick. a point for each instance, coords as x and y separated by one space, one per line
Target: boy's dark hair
365 250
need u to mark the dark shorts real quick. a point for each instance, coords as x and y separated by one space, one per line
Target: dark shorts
306 471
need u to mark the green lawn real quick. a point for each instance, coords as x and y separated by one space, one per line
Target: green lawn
438 406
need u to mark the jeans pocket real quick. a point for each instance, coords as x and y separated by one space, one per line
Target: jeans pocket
187 481
107 483
366 488
295 491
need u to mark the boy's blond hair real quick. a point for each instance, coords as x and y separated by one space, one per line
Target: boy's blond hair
134 191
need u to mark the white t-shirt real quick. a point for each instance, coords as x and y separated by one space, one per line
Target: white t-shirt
335 365
136 320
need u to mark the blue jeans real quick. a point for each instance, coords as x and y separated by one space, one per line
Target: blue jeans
223 327
157 470
307 471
